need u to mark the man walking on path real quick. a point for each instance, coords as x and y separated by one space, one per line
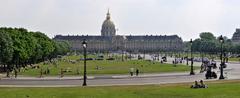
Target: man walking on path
131 71
137 72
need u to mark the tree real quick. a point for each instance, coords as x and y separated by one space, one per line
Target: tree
61 48
206 43
208 36
45 44
196 45
6 51
19 47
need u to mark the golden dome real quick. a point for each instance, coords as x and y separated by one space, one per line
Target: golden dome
108 27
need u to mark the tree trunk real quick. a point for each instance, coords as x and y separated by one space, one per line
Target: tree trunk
4 68
8 71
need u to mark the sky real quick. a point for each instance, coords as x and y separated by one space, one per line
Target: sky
185 18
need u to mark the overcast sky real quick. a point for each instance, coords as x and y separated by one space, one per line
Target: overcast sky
186 18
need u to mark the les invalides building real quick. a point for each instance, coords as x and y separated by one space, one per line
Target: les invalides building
109 41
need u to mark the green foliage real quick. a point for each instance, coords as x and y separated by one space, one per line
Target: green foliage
6 51
208 36
46 44
236 49
210 44
61 48
20 47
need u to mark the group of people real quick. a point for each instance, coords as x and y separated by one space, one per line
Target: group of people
201 85
178 60
208 65
132 71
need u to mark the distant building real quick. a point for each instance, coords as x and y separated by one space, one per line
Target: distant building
236 37
109 41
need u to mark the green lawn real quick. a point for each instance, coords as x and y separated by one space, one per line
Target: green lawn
215 56
223 89
234 59
104 67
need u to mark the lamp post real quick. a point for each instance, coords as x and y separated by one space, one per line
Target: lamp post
175 54
191 73
84 44
144 53
187 57
165 50
201 53
221 56
130 53
122 55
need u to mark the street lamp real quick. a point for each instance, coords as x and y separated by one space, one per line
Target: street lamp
165 50
84 44
221 56
201 53
122 55
175 54
191 73
187 57
143 52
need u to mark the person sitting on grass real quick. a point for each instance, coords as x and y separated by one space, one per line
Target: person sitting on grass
196 85
202 85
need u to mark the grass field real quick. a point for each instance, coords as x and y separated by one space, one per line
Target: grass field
198 55
97 67
234 59
217 89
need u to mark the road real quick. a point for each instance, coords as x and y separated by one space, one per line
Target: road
231 72
102 82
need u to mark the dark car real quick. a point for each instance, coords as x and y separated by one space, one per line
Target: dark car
110 59
86 59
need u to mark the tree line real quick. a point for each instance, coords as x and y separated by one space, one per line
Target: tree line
208 43
20 47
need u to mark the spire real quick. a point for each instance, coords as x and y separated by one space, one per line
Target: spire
108 11
108 15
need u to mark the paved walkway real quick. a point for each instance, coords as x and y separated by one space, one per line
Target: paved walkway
143 75
232 72
99 77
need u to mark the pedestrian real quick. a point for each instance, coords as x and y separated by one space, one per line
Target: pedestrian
202 85
202 68
137 72
48 71
61 73
131 71
41 73
12 74
195 85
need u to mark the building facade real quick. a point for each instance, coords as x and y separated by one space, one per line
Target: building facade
236 37
109 41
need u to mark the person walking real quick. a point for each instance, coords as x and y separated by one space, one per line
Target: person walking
41 73
61 73
131 71
137 72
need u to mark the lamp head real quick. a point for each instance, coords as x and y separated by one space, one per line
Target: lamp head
221 39
191 41
84 43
